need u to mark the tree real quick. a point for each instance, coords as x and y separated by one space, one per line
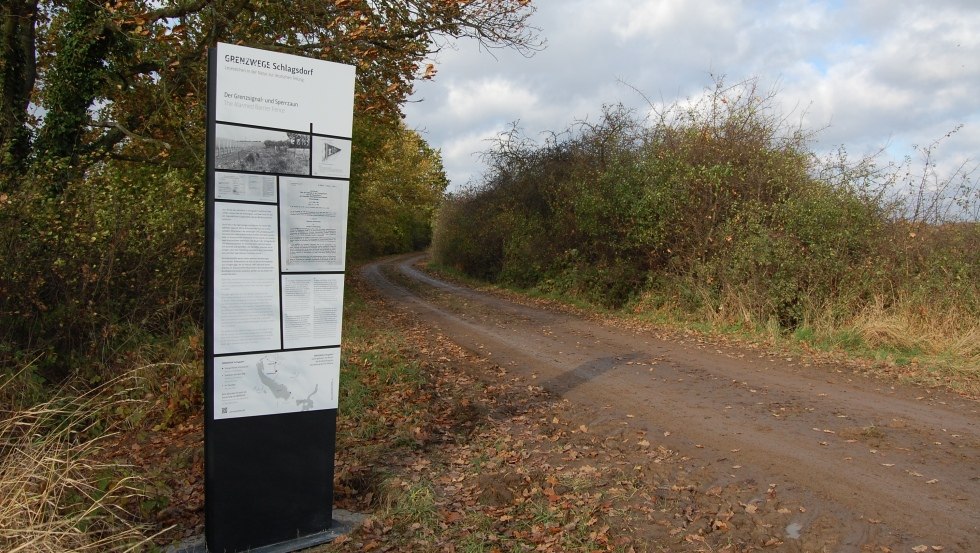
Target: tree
18 68
397 181
126 78
102 150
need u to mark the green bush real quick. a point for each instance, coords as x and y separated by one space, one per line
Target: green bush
466 237
707 207
109 271
118 250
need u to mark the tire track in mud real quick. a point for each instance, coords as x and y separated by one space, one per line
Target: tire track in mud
873 462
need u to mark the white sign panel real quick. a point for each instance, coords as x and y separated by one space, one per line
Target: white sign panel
246 278
277 382
267 89
280 162
313 223
311 310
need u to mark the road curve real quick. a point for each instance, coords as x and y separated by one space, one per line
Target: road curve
885 462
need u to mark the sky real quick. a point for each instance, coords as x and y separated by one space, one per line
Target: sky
865 74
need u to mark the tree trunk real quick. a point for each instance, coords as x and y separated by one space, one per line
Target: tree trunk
18 71
76 79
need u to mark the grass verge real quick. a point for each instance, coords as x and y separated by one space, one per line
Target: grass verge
57 495
887 342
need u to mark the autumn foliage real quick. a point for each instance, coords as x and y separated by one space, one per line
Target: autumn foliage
102 131
102 154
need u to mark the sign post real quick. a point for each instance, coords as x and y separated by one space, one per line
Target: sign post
278 176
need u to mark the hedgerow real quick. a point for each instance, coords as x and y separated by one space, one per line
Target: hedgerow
720 210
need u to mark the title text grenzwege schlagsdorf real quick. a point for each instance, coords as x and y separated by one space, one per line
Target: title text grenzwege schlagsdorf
265 64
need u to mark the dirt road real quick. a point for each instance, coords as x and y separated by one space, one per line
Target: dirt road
869 463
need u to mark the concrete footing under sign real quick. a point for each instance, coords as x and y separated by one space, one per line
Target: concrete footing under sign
343 523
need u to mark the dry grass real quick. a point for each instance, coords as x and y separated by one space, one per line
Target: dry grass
905 338
55 495
910 326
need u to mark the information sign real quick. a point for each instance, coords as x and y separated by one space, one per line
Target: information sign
279 141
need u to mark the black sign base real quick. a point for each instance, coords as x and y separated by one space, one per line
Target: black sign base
269 480
344 523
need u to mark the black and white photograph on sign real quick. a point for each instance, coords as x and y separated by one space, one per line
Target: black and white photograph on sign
245 187
261 150
312 224
311 310
331 157
276 382
246 278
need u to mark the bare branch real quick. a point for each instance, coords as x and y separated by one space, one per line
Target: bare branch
116 125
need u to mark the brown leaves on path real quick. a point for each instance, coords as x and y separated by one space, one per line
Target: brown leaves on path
447 451
473 459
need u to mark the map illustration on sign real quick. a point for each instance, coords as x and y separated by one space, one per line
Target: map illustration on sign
268 370
277 382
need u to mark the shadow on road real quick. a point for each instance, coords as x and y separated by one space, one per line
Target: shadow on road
587 372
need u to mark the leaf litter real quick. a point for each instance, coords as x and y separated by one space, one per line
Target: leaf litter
504 466
458 455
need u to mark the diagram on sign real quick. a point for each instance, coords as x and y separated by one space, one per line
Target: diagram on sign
331 157
277 382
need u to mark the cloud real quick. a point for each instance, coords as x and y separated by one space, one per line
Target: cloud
898 80
489 97
664 18
870 73
461 153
